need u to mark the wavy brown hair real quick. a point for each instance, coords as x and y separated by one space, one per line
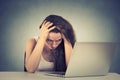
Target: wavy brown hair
64 27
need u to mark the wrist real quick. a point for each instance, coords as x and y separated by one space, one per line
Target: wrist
41 39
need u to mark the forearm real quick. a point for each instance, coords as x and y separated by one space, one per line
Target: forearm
68 51
33 61
33 57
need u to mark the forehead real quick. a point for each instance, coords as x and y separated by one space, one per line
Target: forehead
54 36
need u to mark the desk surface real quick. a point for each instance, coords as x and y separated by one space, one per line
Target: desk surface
43 76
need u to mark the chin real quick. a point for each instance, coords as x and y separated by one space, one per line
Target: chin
52 48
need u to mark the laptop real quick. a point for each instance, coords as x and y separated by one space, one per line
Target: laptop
90 59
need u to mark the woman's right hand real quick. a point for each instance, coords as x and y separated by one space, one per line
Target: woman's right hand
45 28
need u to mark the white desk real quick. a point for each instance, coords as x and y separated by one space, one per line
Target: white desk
43 76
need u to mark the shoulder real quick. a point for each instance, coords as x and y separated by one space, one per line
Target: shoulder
31 41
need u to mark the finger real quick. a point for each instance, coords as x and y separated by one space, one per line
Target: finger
44 22
48 24
51 28
63 36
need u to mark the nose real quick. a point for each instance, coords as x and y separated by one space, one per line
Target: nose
54 45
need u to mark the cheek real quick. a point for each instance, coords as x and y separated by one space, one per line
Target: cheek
58 44
46 44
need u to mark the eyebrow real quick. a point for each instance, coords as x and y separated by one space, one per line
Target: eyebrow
54 40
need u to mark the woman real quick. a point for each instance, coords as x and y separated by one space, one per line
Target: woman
52 49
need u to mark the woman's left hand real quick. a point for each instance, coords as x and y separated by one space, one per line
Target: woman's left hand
64 38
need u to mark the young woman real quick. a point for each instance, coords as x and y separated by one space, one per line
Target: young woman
51 50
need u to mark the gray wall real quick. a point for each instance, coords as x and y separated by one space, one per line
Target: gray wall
92 20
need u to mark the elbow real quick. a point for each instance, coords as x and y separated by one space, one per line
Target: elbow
29 69
67 62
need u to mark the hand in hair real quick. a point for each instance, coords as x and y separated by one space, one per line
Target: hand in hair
44 30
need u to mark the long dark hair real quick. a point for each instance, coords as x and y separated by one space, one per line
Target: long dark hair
64 27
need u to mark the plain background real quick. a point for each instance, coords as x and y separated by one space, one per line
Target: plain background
92 20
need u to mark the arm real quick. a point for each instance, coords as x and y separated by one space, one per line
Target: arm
68 50
34 49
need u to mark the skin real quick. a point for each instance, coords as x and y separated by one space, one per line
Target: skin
48 41
53 40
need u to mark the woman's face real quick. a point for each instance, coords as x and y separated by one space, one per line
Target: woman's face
53 40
